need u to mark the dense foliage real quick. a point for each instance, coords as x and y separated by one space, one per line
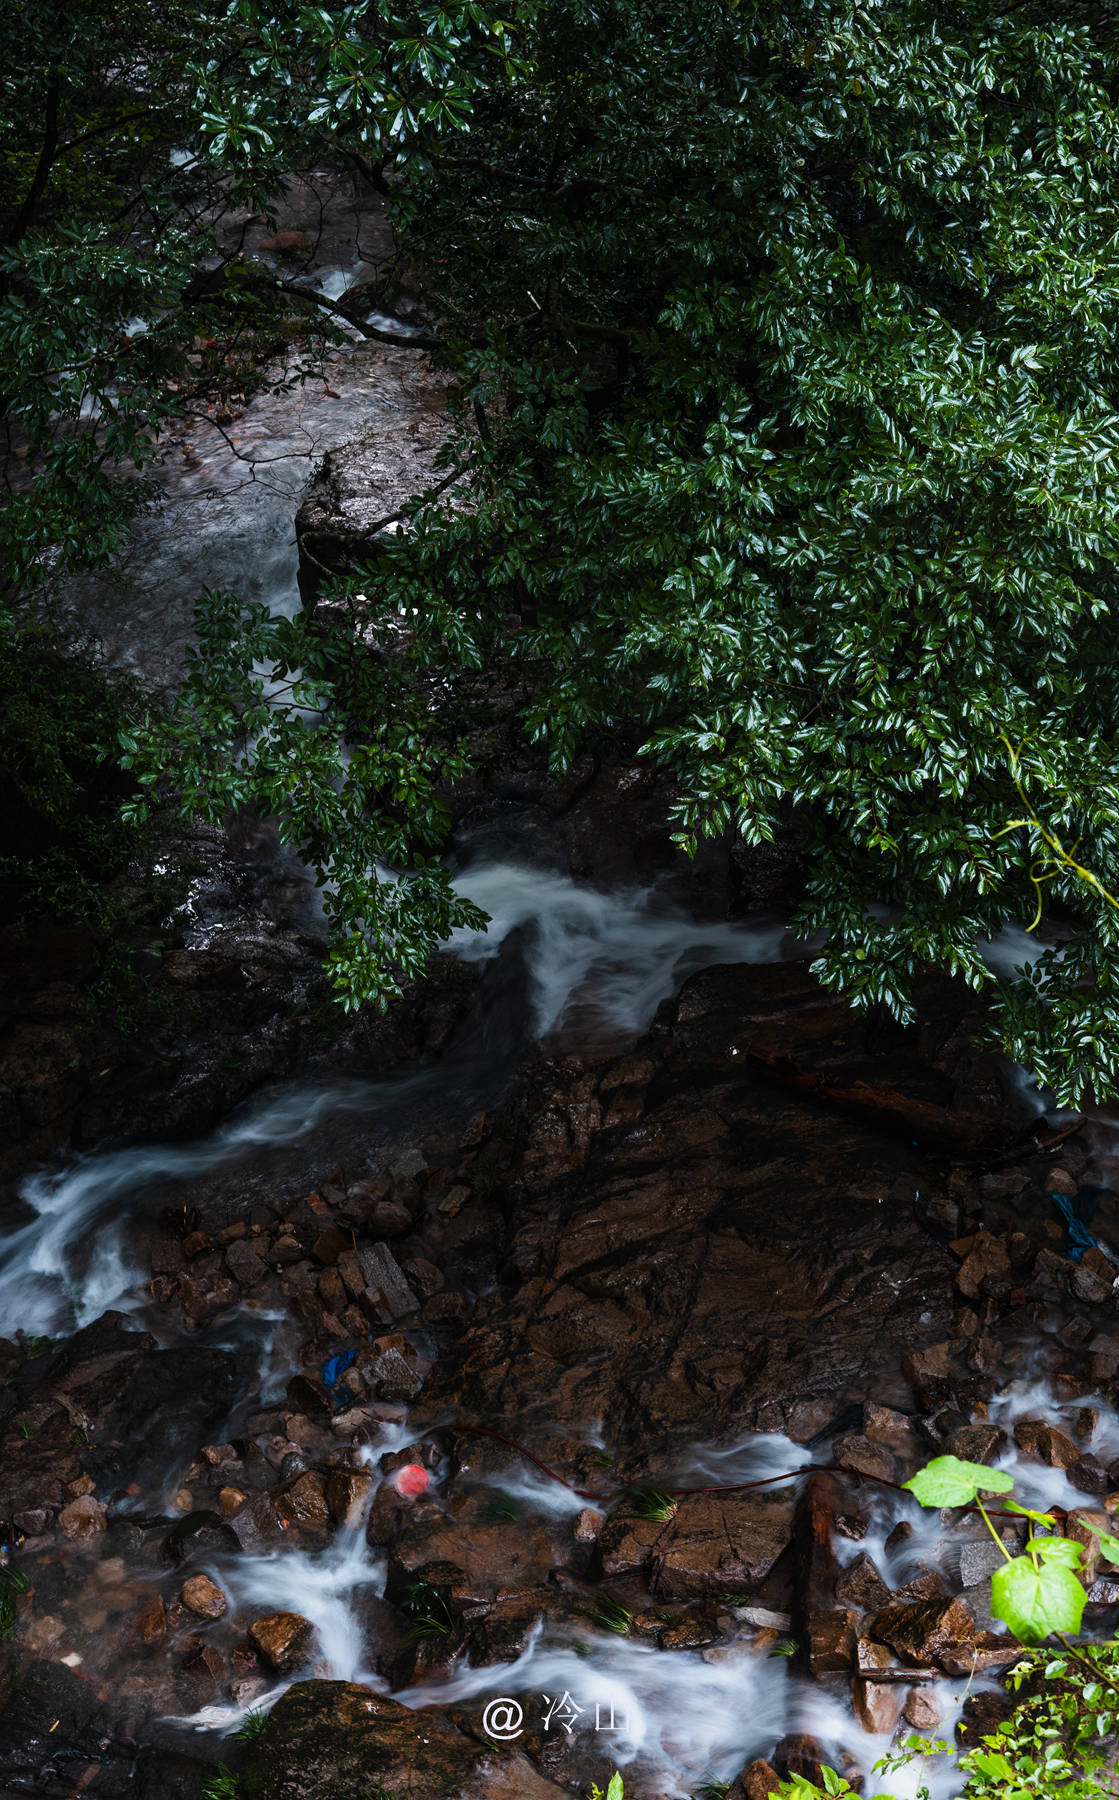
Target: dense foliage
787 341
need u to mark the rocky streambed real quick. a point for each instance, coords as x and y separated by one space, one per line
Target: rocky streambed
451 1465
525 1388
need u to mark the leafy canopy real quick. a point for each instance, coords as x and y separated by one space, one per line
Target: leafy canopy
787 340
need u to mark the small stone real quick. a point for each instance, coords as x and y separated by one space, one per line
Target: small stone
182 1501
230 1499
864 1456
1038 1438
763 1618
1087 1422
925 1631
931 1374
1089 1287
283 1640
875 1662
878 1704
75 1489
393 1377
1088 1475
922 1711
861 1585
202 1596
832 1637
981 1653
985 1269
976 1443
978 1562
149 1627
383 1272
83 1519
347 1491
588 1524
329 1246
758 1780
304 1503
245 1266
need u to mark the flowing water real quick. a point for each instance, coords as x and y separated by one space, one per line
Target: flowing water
598 965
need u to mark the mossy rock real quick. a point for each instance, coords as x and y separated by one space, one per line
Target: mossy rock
330 1740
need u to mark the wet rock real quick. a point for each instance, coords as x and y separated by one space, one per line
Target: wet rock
587 1525
976 1443
505 1630
1084 1526
922 1710
985 1269
284 1640
149 1627
393 1377
626 1544
255 1525
204 1597
383 1274
864 1456
927 1584
878 1704
201 1533
932 1374
1091 1288
1089 1475
877 1662
986 1651
83 1519
304 1503
832 1638
245 1266
757 1781
470 1561
201 1673
925 1631
861 1585
1038 1438
327 1738
800 1754
719 1544
329 1246
347 1493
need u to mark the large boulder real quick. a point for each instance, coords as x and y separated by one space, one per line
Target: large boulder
328 1738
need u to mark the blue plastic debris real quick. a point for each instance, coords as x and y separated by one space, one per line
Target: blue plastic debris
333 1370
1080 1238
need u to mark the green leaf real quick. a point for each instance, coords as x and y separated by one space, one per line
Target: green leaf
1057 1550
946 1481
614 1790
1035 1602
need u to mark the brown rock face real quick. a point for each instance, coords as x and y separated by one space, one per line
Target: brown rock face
328 1738
304 1503
471 1562
202 1596
719 1543
710 1265
925 1631
284 1640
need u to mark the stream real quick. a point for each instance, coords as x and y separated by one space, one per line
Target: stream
205 1379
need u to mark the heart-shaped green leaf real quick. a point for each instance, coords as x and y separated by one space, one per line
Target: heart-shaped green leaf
1036 1601
946 1481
